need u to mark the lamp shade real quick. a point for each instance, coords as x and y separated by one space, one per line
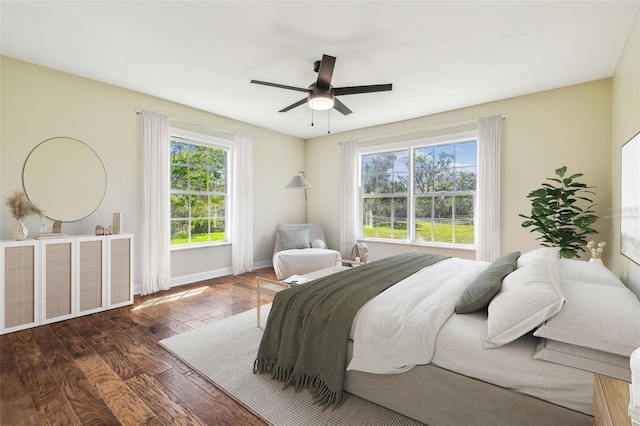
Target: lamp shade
298 182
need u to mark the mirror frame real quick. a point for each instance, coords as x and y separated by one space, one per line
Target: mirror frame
50 178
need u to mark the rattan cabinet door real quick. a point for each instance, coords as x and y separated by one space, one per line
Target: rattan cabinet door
58 279
19 285
91 274
120 270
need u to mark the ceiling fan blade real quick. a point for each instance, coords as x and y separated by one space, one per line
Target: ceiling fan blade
292 106
354 90
325 72
281 86
341 107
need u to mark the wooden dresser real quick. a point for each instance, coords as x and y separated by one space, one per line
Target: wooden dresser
610 401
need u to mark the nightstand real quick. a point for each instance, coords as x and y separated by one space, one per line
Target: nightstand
610 401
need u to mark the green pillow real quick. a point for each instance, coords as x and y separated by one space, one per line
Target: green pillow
479 293
295 239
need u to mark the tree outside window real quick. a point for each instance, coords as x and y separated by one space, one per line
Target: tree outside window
442 190
198 192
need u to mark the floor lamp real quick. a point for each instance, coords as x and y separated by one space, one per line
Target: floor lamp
299 182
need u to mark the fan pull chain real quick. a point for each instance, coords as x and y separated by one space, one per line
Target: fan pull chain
329 122
312 115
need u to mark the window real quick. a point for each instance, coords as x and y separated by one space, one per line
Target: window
199 171
420 191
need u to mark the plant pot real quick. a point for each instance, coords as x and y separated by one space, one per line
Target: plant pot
19 231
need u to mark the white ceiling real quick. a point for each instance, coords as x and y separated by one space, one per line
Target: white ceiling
438 55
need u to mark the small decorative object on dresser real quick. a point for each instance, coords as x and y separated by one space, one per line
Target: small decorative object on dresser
117 223
44 228
104 230
20 208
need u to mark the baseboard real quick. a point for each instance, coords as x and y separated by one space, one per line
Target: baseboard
202 276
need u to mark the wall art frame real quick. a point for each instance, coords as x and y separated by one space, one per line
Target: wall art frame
630 199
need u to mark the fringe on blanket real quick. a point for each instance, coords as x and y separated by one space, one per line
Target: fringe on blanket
322 394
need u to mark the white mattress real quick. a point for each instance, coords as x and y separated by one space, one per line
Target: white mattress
459 349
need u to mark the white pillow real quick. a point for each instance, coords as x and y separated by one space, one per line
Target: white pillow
546 254
587 272
592 360
318 244
598 317
528 296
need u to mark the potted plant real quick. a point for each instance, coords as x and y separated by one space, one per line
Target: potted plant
20 208
556 213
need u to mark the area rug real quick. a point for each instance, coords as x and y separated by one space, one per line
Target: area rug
224 352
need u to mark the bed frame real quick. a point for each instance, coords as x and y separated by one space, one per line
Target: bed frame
437 397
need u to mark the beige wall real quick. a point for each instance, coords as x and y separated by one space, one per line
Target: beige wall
569 126
40 103
625 124
581 126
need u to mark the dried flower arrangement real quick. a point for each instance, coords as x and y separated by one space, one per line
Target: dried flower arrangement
21 207
596 252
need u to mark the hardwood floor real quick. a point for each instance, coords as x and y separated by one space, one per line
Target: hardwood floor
107 368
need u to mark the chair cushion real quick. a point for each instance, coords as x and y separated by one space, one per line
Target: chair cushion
303 261
294 239
315 232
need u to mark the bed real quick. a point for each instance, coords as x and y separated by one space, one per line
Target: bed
461 350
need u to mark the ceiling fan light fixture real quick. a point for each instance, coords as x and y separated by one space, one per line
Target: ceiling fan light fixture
320 101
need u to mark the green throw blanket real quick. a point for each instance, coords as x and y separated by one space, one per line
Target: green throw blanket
305 340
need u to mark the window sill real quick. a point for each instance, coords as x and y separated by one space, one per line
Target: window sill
465 247
199 246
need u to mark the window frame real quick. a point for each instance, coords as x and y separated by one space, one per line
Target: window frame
411 195
210 141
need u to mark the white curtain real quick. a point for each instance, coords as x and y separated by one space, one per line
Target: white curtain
348 199
488 203
242 205
156 273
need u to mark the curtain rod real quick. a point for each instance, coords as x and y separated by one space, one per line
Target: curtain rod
436 127
139 111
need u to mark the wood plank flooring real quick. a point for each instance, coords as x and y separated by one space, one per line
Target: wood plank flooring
107 368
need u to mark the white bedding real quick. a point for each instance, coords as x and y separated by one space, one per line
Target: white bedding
413 323
459 349
397 329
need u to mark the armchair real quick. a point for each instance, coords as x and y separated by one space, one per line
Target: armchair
300 249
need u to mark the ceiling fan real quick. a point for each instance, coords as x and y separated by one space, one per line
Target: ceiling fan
321 95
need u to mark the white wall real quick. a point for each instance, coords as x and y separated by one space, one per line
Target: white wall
625 124
569 126
40 103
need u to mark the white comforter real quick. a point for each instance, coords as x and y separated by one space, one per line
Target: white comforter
397 329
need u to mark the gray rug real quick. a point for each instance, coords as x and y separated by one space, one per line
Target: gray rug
224 352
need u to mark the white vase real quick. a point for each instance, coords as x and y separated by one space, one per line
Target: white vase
595 260
19 231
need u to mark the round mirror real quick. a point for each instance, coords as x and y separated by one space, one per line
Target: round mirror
65 178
